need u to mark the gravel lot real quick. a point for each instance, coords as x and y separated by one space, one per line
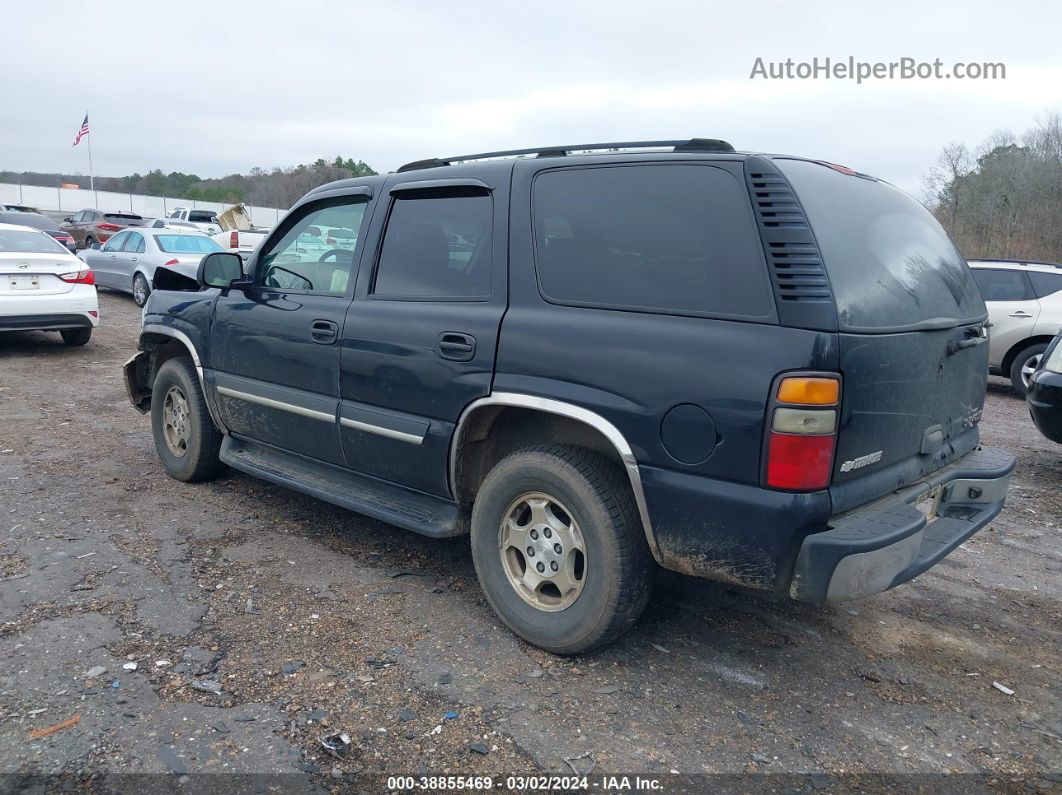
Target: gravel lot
261 621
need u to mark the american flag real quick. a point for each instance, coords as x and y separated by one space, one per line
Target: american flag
82 132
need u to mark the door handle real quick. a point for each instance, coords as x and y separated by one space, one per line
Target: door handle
133 259
1019 313
457 346
324 332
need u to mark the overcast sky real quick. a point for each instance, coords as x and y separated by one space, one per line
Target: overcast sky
215 88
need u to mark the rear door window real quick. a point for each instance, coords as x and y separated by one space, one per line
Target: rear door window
437 245
891 266
1045 284
1002 285
669 238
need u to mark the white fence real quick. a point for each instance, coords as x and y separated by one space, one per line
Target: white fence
71 200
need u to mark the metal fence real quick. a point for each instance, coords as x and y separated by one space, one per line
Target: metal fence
72 200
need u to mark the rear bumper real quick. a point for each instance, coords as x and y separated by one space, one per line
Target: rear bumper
56 322
886 543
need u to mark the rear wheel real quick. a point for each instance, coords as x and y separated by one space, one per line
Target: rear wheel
90 242
559 548
76 336
1024 365
141 289
186 438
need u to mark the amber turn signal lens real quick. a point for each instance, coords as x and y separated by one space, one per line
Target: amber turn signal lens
809 391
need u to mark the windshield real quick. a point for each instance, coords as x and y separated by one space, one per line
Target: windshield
891 266
187 244
13 240
202 217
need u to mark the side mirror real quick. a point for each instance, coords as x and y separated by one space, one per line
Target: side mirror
219 269
68 220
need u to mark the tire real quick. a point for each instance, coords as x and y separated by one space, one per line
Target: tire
76 336
594 496
90 242
141 289
186 438
1022 359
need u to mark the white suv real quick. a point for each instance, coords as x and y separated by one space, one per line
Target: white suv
1025 311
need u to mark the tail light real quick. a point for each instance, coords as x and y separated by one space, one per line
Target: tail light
803 433
85 276
172 262
109 227
234 239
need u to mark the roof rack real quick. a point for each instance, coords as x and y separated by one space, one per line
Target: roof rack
690 145
1016 261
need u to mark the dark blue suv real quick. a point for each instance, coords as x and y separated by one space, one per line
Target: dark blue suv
761 369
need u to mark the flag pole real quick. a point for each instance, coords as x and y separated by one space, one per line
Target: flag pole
92 177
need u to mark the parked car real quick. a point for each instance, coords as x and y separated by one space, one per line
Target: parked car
92 228
1045 392
41 222
128 261
591 361
18 208
1024 300
170 223
43 287
205 220
238 233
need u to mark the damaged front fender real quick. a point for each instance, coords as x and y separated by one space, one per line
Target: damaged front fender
137 371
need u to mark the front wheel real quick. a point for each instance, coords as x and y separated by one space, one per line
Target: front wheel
186 438
559 548
1024 365
141 289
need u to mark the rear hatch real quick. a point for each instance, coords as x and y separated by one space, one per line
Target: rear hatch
32 274
123 219
912 351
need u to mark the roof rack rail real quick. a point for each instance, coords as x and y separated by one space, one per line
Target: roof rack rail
690 145
1016 261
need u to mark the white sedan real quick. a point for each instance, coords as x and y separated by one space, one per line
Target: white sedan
43 287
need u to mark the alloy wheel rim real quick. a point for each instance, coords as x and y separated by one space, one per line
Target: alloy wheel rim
177 428
1030 366
542 552
139 293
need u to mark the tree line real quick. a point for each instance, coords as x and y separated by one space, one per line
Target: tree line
279 187
1002 199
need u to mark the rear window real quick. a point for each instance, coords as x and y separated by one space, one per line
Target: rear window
202 217
28 219
186 244
122 217
12 240
676 239
891 265
1002 285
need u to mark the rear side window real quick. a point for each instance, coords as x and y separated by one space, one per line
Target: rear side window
437 246
659 238
891 266
1045 284
1002 285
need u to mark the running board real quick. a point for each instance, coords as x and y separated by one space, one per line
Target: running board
411 510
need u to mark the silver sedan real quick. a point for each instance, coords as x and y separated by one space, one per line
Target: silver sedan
127 261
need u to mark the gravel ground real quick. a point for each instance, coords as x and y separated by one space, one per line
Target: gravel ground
262 621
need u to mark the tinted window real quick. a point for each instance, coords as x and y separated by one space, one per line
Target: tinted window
663 238
122 217
28 219
115 243
186 244
202 217
437 245
304 262
1001 285
1045 284
890 264
134 244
